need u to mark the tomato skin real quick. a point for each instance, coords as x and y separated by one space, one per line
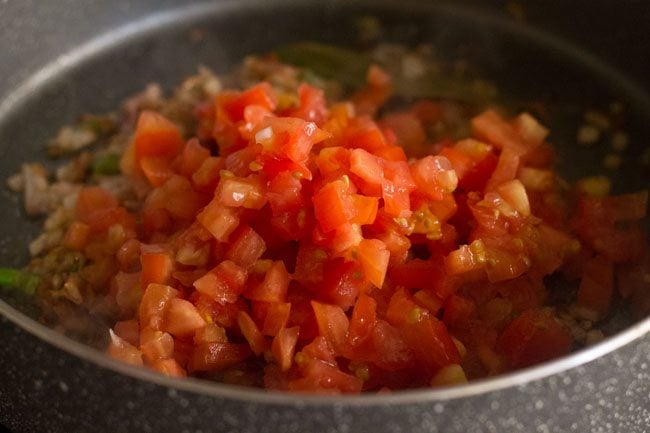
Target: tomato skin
217 356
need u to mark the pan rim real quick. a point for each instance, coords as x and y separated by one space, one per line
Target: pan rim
152 23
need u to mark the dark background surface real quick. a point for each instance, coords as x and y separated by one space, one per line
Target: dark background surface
44 389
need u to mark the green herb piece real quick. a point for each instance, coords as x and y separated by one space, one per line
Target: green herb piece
16 279
106 165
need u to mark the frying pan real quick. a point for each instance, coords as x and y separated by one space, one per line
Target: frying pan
67 57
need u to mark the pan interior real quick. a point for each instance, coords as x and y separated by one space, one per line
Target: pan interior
525 64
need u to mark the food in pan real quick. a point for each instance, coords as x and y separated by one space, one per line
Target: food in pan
326 222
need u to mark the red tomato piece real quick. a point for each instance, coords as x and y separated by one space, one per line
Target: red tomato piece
247 246
156 169
261 94
206 177
341 283
169 367
217 356
182 318
224 283
321 376
333 205
97 208
124 351
155 302
311 105
219 220
156 345
192 157
77 235
363 320
128 330
534 336
157 265
237 192
374 257
274 287
277 317
284 346
366 166
251 332
434 176
156 136
332 324
365 209
459 311
491 127
430 342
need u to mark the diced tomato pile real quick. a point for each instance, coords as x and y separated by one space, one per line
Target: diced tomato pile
299 248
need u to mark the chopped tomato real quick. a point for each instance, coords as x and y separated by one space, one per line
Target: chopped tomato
223 283
327 249
123 350
217 356
252 333
182 318
534 336
430 342
274 287
156 136
155 302
284 345
157 266
98 209
332 323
